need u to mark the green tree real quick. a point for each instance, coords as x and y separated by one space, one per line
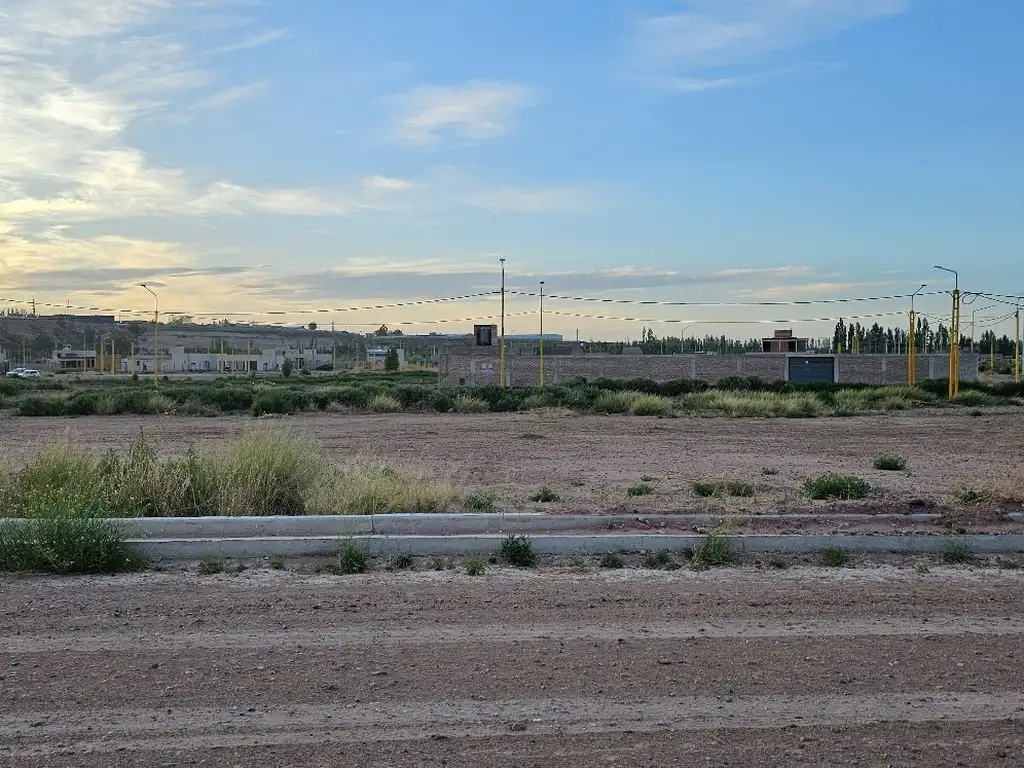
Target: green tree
287 368
391 362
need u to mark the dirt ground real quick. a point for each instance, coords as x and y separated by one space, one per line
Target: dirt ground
591 461
854 667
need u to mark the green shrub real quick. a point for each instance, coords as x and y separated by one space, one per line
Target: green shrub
482 501
969 496
956 552
973 398
65 545
352 558
641 489
651 405
476 566
375 488
890 463
538 400
832 485
384 403
713 551
277 562
611 560
440 401
269 401
518 551
736 488
41 405
211 566
545 495
469 404
615 402
835 557
660 560
402 562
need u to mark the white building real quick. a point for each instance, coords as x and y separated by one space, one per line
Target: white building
379 355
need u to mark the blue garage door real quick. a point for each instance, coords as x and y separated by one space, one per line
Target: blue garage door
811 369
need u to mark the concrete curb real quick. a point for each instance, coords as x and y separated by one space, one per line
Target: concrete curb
487 544
458 524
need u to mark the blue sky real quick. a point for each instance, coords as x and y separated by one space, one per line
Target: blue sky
293 155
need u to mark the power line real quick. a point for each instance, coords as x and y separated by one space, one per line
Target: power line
722 322
792 303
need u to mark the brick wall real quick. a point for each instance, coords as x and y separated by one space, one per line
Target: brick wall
478 367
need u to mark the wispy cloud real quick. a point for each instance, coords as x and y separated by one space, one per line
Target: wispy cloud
232 95
716 44
388 184
255 41
529 199
480 109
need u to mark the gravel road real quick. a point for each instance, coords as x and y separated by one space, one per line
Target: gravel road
868 666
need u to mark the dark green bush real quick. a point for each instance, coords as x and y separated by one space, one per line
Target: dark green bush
41 405
272 401
518 551
63 545
440 401
835 486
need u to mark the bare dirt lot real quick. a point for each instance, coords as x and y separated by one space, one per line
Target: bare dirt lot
873 666
591 461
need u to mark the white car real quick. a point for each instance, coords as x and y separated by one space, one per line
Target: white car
29 373
15 373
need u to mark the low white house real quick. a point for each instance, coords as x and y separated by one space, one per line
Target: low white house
379 355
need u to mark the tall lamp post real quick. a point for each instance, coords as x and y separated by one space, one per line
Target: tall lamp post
1016 344
954 333
912 339
974 313
156 330
501 352
542 333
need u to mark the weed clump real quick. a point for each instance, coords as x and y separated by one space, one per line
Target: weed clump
476 566
66 545
518 551
383 403
470 404
969 496
714 550
545 495
832 485
661 560
956 553
611 560
890 463
835 557
482 501
738 488
641 489
402 562
211 566
352 558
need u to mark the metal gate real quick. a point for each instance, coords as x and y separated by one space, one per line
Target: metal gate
803 370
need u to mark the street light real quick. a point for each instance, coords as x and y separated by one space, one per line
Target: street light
156 329
1016 344
954 332
501 353
912 339
974 313
542 333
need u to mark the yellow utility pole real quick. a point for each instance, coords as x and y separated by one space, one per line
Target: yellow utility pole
1016 345
156 328
542 333
131 359
501 352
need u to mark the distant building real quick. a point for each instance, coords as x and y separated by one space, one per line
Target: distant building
784 341
68 359
379 355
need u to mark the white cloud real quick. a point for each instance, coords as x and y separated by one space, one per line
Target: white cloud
388 184
724 43
255 41
75 75
480 109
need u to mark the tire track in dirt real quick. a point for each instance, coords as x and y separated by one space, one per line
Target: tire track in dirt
33 734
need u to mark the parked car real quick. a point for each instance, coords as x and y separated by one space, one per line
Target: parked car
29 373
15 373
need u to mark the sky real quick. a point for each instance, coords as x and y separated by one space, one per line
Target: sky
246 158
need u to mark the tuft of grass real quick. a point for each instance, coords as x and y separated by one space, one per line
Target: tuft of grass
616 401
738 488
470 404
661 560
611 560
956 552
770 471
576 563
832 485
890 463
545 495
402 562
518 551
277 562
481 501
835 557
352 558
922 566
969 496
972 398
714 550
442 564
382 402
64 546
651 405
211 566
373 488
476 566
1007 565
778 562
641 489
